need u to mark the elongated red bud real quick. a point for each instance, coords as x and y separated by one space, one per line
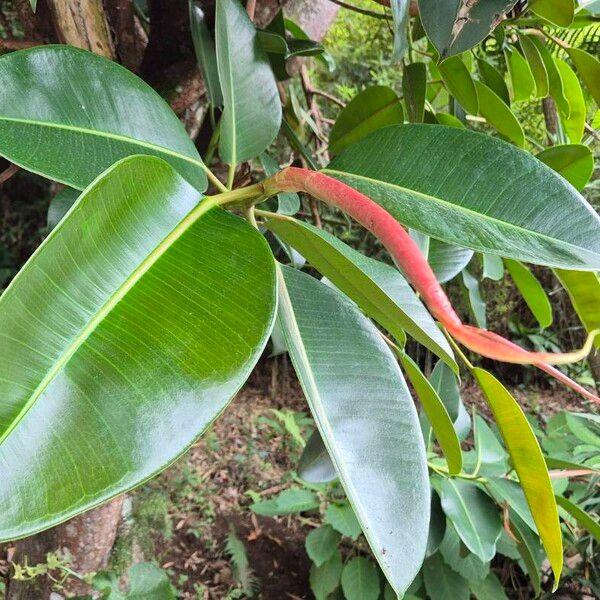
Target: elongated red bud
413 264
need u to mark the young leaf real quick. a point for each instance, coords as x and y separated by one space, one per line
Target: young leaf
494 80
414 85
206 54
375 107
588 67
437 414
528 462
559 12
84 114
324 579
149 242
475 298
314 465
574 162
369 424
442 582
343 519
532 291
584 291
521 77
573 121
455 196
460 84
321 543
473 515
360 579
499 115
454 26
580 516
252 110
537 66
379 289
489 588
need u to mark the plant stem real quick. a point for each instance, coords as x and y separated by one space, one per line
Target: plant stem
230 176
362 11
243 195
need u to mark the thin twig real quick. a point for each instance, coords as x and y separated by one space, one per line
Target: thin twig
8 173
362 11
328 96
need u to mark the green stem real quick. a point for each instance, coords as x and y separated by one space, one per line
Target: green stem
212 144
215 180
230 176
243 195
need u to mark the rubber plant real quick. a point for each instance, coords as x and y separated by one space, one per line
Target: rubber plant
146 308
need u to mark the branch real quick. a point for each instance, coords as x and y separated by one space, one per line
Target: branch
362 11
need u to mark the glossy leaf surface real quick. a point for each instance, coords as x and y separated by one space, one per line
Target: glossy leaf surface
532 291
366 417
559 12
521 77
414 85
528 462
575 162
537 66
588 67
375 107
445 383
499 115
580 516
123 344
494 80
314 465
379 289
455 194
252 110
454 26
68 115
460 84
573 121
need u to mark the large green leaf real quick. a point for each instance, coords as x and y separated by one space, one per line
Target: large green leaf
588 67
454 26
123 337
559 12
446 260
494 80
499 115
375 107
69 114
476 301
455 194
537 66
206 53
460 84
378 289
573 121
528 462
584 291
473 515
521 77
436 412
366 417
252 110
414 86
575 162
532 291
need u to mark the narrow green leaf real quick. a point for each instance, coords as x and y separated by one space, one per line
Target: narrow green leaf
315 466
573 121
206 54
521 78
505 490
378 289
489 588
530 550
252 110
584 291
532 291
445 383
60 205
78 341
343 519
580 516
291 501
580 430
473 515
460 84
369 423
454 195
494 80
559 12
537 66
454 26
437 524
499 115
321 543
288 203
83 115
475 298
456 556
528 462
588 67
360 579
574 162
491 456
325 578
414 85
493 267
33 4
442 582
560 463
449 120
299 34
437 414
375 107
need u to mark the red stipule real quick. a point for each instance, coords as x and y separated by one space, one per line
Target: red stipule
407 255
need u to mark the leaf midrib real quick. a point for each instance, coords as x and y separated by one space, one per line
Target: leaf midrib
457 207
108 135
203 207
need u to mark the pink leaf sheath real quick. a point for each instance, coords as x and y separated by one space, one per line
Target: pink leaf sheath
411 261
